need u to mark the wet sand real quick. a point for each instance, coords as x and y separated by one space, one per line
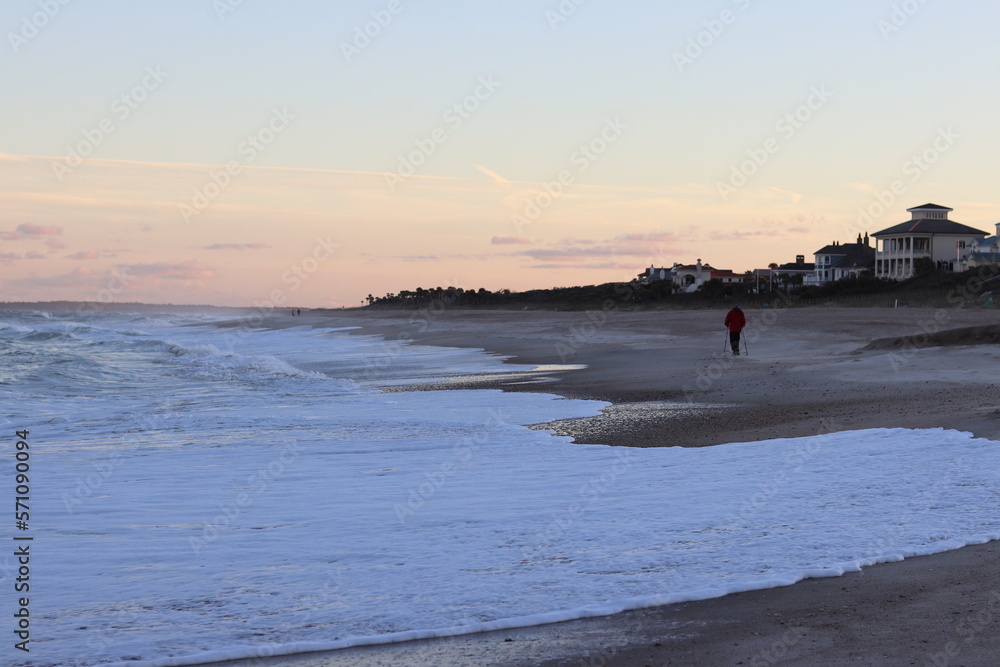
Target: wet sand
670 383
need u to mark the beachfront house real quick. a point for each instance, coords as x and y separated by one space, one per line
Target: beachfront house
984 252
842 260
789 272
654 273
928 235
689 277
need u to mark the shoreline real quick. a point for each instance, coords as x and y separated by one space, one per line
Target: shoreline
656 369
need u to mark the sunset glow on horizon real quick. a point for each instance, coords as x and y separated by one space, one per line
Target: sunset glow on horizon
227 152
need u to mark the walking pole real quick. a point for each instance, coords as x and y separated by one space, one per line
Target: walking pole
725 343
746 347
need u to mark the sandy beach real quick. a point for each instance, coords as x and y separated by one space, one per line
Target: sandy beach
670 383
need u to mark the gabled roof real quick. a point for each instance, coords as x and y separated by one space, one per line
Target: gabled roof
933 207
694 267
840 249
928 226
831 250
858 257
797 266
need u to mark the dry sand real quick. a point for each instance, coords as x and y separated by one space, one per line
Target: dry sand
808 371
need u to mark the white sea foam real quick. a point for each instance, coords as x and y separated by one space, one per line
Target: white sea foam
189 511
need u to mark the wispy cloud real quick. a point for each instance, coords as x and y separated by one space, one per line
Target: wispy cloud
237 246
80 277
646 245
492 174
603 266
190 270
85 254
39 230
510 240
30 230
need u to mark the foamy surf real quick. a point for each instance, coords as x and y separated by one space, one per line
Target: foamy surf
188 514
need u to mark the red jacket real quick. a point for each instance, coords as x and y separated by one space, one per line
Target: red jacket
735 320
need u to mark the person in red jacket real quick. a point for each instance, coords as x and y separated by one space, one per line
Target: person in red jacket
735 320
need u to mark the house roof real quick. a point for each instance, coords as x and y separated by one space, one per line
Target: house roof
852 255
844 249
934 207
928 226
832 250
985 256
858 257
797 266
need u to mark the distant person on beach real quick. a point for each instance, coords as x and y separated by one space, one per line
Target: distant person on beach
735 320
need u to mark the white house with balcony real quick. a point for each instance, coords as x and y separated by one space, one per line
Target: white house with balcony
928 234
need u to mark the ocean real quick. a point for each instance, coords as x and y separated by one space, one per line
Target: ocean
192 493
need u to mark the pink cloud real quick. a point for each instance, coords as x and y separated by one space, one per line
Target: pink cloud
34 255
32 229
603 266
84 254
55 244
509 240
191 270
649 237
79 277
739 236
237 246
568 254
8 257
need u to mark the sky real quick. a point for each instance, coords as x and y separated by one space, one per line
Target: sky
307 153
